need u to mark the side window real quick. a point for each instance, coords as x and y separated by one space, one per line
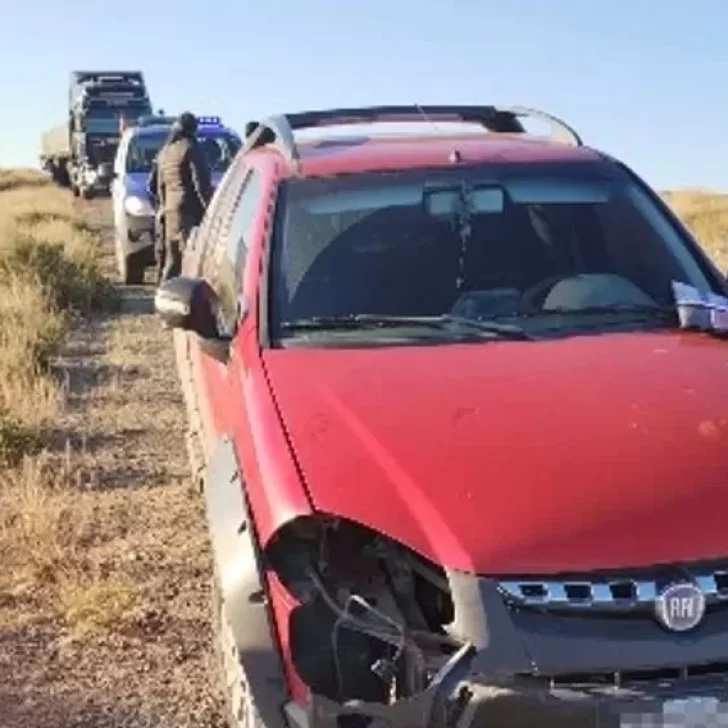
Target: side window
233 248
216 218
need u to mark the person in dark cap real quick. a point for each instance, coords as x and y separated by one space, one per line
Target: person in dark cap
180 183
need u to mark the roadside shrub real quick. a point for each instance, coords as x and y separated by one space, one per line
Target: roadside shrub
49 270
16 441
69 284
11 179
706 214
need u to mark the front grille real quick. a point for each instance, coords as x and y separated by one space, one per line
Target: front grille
631 677
618 593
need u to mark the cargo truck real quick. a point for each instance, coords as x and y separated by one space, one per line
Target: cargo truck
80 152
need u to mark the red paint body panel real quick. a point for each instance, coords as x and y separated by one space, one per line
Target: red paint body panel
242 406
398 154
520 457
282 603
275 492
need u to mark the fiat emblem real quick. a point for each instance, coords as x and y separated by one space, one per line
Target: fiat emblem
680 607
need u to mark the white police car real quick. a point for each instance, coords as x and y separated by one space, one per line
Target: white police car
133 213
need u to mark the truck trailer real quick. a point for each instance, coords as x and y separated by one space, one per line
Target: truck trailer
80 153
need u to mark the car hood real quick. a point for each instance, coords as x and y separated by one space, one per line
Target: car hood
519 457
136 183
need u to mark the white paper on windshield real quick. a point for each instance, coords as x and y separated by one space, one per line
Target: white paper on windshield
707 311
687 295
718 312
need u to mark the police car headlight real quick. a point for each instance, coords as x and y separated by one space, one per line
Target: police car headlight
138 207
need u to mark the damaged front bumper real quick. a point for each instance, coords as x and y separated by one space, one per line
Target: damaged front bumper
459 698
490 662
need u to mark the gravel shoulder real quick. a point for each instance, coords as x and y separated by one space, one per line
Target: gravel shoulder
140 652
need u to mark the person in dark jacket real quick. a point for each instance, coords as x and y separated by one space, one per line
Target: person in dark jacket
159 239
180 181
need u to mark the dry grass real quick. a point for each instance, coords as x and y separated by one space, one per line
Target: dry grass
48 268
706 214
48 273
103 543
44 525
11 179
96 605
126 353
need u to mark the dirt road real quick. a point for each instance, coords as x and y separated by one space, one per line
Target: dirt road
124 427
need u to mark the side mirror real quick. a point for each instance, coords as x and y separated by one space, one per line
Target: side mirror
190 304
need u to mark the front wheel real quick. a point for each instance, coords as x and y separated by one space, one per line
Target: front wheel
240 706
131 269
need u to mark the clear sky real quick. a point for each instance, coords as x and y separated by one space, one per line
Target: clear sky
639 79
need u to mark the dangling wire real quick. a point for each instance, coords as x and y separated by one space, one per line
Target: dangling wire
463 212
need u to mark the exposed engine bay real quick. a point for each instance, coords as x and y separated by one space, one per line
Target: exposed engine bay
371 625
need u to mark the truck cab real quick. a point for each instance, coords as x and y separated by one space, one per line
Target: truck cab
100 103
79 153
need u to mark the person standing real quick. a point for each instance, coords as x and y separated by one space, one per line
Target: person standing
159 239
180 181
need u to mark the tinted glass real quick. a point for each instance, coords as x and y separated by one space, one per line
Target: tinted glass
142 151
476 242
106 121
102 122
234 247
219 150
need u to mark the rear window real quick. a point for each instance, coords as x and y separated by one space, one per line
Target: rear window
219 150
474 242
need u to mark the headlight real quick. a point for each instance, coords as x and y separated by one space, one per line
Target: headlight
370 612
138 207
90 176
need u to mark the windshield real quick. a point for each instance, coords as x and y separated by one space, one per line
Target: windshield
219 150
542 245
106 121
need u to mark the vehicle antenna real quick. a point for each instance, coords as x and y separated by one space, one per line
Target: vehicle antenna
455 157
427 118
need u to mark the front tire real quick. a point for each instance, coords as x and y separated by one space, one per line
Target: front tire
61 175
131 269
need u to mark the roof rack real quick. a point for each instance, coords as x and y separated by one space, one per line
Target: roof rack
499 119
133 77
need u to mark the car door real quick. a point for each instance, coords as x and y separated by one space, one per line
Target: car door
223 266
118 184
199 261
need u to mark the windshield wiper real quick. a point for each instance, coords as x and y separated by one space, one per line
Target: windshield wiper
368 320
659 312
492 327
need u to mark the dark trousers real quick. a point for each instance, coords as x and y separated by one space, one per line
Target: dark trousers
168 255
169 247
